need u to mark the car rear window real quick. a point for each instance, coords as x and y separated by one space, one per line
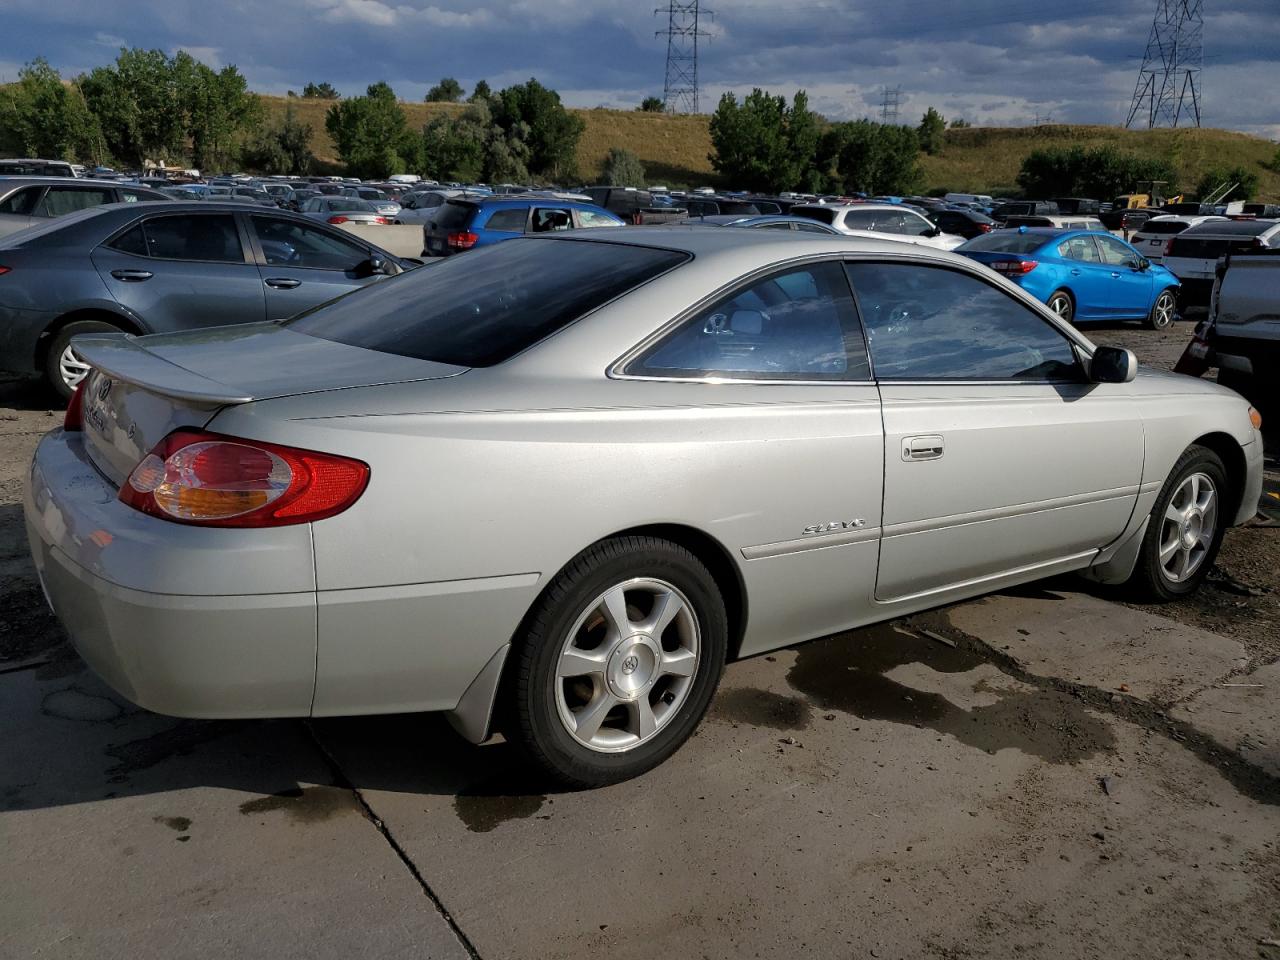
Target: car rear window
482 309
1003 241
1163 226
821 214
454 214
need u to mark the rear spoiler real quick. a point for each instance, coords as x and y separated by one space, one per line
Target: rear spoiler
121 357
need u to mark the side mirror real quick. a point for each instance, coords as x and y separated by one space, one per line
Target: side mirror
375 265
1113 365
935 232
1144 264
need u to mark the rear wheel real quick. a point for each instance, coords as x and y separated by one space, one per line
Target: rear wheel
63 367
619 662
1163 311
1185 529
1060 302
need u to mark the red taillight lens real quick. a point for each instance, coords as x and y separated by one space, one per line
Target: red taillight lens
1014 268
984 227
1168 246
337 219
462 240
4 270
212 480
74 418
381 220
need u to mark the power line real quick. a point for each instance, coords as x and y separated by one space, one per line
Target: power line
680 91
1169 79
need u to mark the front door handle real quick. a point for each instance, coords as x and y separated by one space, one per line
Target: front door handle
282 283
1115 276
1075 271
921 448
131 276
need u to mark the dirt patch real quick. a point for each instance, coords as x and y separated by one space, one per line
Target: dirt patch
761 708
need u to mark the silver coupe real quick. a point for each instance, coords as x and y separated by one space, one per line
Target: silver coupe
550 487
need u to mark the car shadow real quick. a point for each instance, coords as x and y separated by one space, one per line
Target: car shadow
28 393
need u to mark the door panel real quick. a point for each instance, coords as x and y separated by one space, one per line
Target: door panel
1012 486
301 265
1130 294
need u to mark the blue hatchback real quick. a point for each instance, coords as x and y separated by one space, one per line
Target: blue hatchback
1081 275
462 224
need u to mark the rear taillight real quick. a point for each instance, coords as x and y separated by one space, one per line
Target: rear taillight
4 270
74 418
381 220
1168 246
462 239
984 227
1014 268
337 219
216 481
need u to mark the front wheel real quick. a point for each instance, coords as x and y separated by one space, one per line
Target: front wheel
63 367
1185 529
1163 311
1060 303
619 661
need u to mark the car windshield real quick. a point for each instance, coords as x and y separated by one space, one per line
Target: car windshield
486 307
1006 241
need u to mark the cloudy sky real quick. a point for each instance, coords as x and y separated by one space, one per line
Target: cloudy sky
989 61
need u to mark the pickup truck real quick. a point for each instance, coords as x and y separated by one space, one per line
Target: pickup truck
1241 335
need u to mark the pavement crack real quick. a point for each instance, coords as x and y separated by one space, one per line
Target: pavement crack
341 779
1252 781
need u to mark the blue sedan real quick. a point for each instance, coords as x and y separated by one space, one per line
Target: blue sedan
1081 275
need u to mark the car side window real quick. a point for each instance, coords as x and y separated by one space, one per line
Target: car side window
549 219
287 243
509 220
1114 252
775 226
62 200
798 324
593 218
915 225
132 196
21 202
932 323
194 237
1079 248
131 241
809 228
860 220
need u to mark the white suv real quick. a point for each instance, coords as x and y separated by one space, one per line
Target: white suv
880 221
1155 236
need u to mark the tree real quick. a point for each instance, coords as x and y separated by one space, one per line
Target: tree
448 90
622 168
553 132
320 91
472 147
219 106
959 123
867 157
284 148
139 105
652 105
372 135
43 117
1246 183
480 92
1094 172
762 144
932 132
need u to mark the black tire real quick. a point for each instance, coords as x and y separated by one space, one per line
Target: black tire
1060 302
1149 580
52 361
534 690
1164 310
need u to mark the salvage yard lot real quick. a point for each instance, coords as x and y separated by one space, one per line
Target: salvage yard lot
1047 773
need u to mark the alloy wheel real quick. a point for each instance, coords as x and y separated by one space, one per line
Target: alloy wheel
72 368
1188 527
627 665
1162 312
1061 305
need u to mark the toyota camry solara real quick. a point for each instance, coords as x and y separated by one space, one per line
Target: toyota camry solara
550 487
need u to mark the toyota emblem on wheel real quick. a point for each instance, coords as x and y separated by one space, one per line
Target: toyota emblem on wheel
629 664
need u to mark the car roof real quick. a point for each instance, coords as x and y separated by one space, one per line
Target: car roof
1231 228
859 206
22 180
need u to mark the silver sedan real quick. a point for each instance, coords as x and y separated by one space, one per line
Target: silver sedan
553 485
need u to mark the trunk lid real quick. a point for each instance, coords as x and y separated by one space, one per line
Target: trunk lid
141 389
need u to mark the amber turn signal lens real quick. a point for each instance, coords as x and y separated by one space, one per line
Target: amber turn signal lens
1255 418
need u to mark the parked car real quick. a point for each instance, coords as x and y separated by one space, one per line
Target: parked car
460 225
1263 211
962 223
30 201
337 210
893 221
980 199
1129 219
763 222
30 167
1189 209
635 206
151 267
1156 235
1241 335
1080 275
701 451
1059 222
1025 208
710 205
1078 206
1193 254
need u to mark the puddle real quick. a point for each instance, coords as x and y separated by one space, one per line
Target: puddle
761 708
847 673
74 704
310 805
493 802
180 824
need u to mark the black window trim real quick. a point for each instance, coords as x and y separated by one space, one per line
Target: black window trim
143 217
260 257
620 368
1078 348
